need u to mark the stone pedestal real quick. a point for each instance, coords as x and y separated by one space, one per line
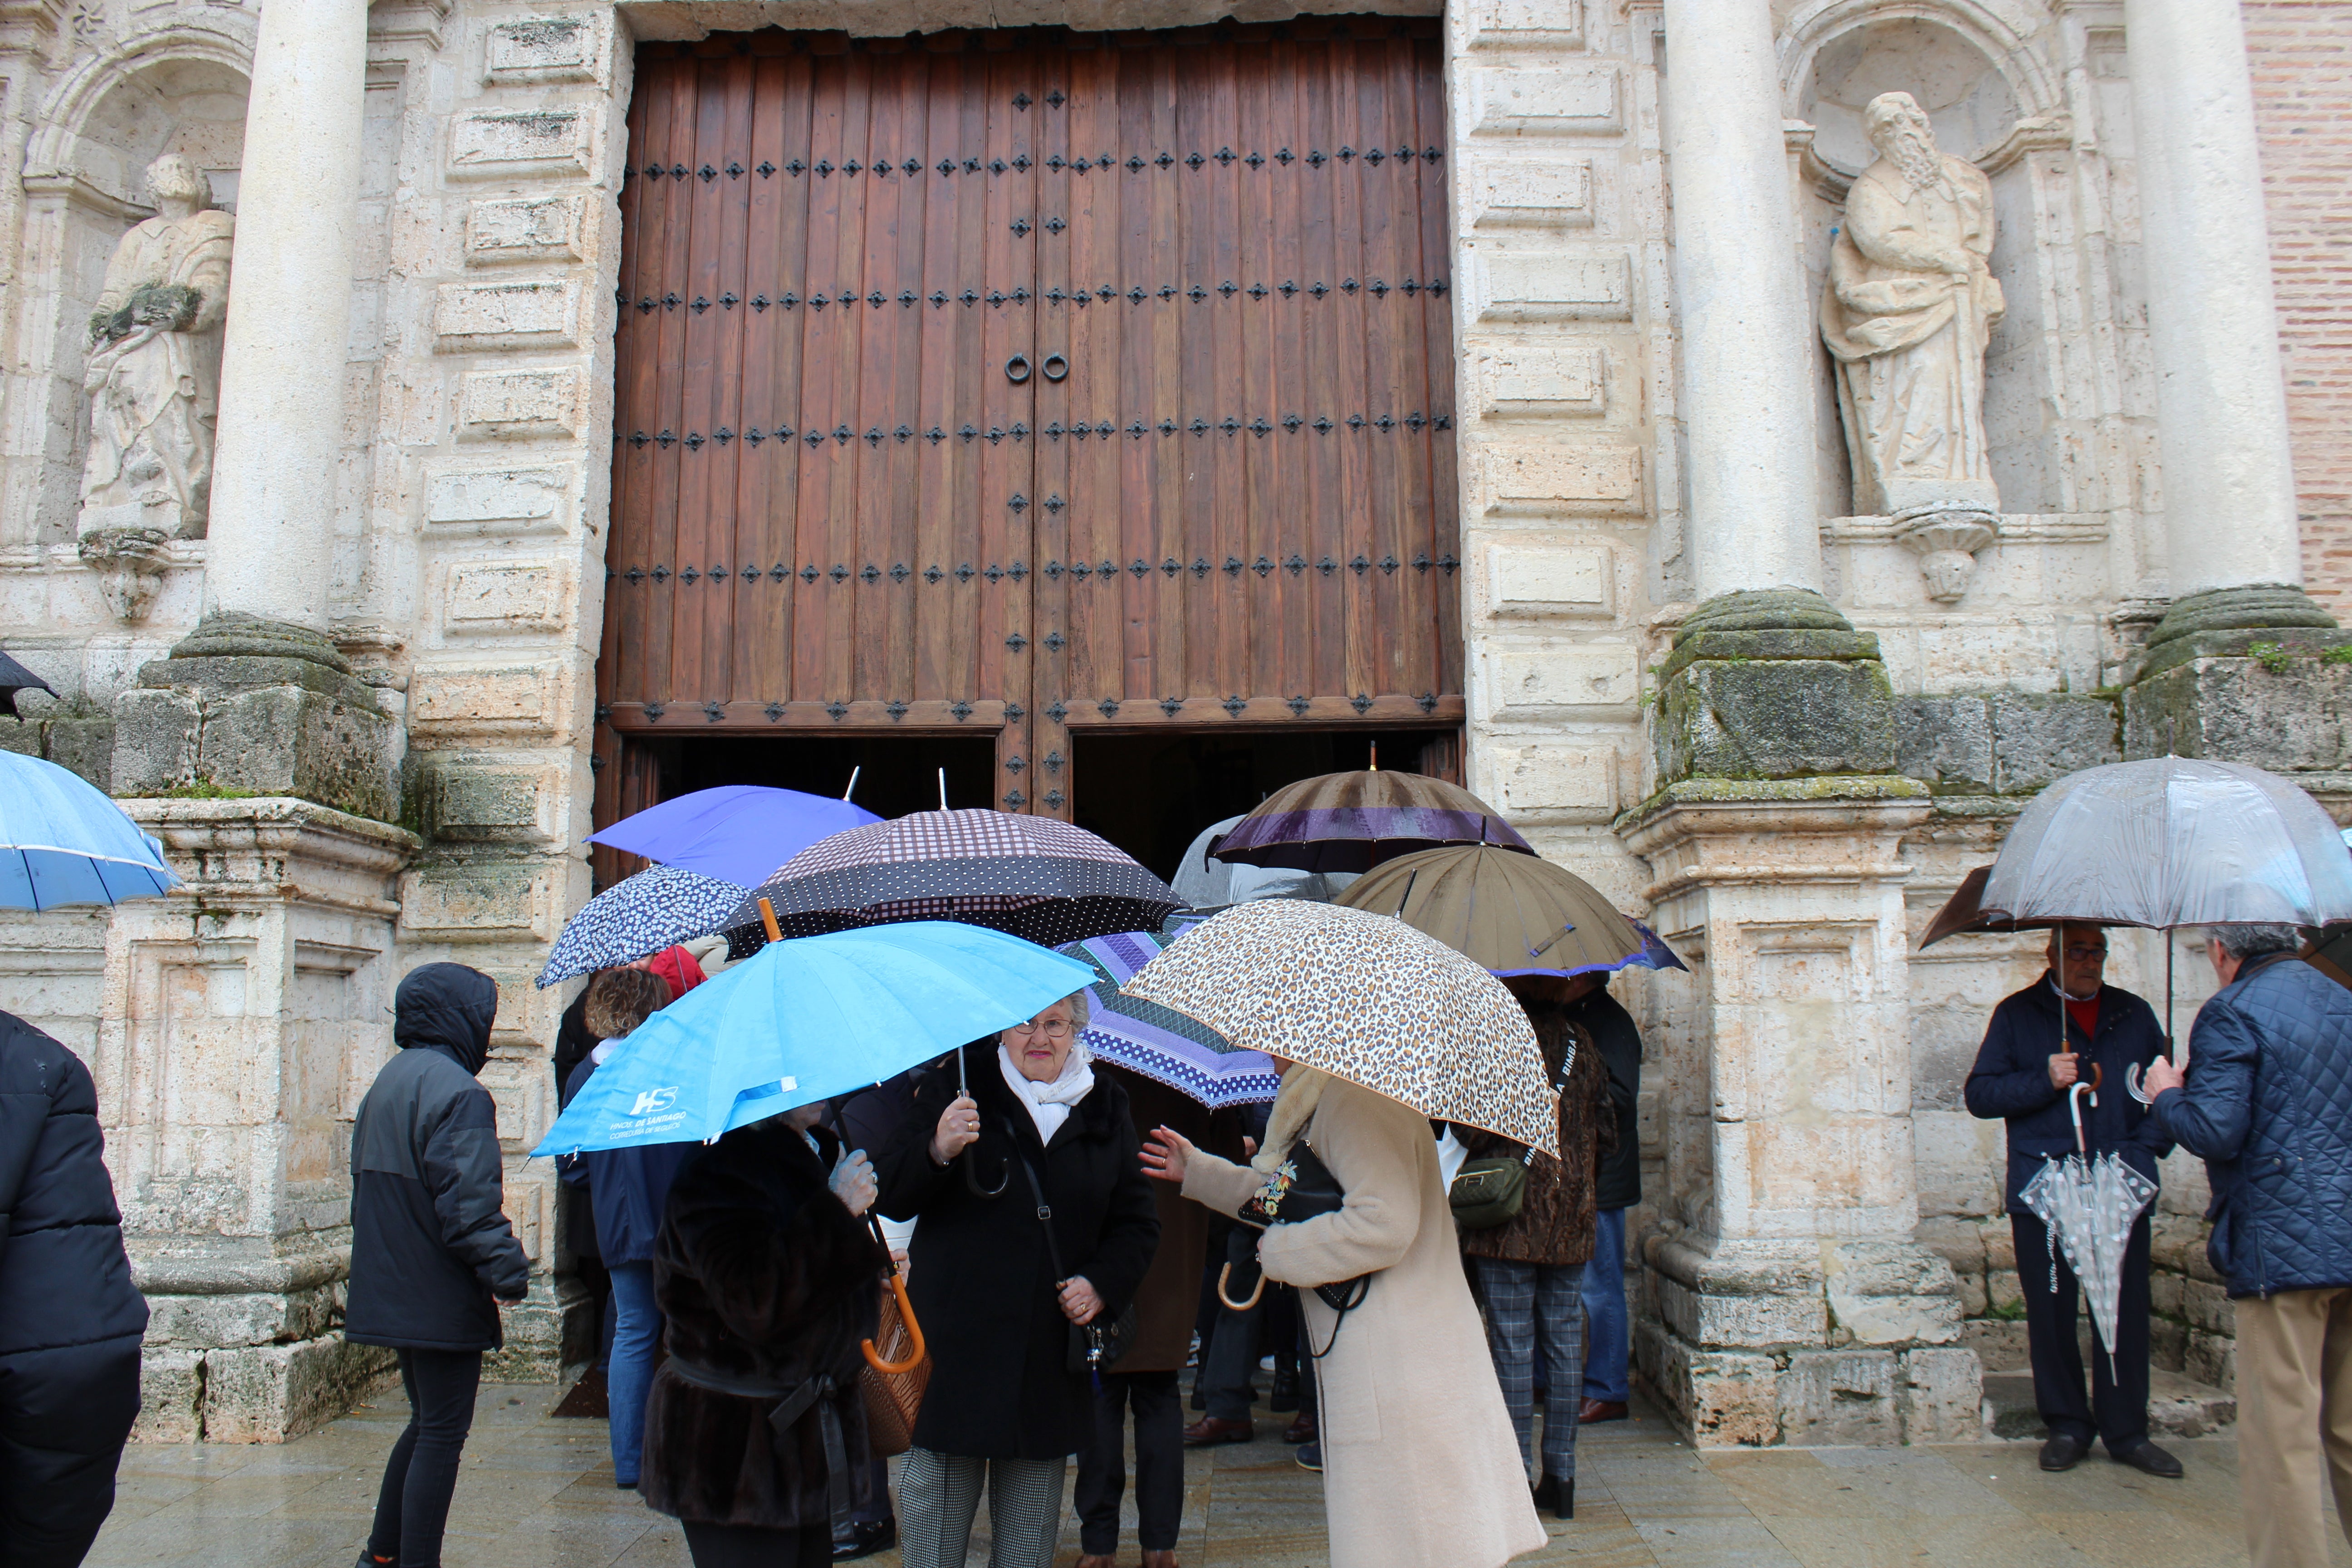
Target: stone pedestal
1794 1305
240 1021
245 707
1772 684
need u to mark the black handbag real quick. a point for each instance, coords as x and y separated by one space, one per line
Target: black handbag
1095 1347
1303 1188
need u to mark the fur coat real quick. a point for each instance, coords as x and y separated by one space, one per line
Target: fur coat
761 1273
1554 1226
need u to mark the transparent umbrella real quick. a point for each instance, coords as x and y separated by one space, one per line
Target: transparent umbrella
2089 1205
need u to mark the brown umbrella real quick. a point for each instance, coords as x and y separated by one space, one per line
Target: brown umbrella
1355 821
1511 914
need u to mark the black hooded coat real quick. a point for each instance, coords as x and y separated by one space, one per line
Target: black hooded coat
431 1247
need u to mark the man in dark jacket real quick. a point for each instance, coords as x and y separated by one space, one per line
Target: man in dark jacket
432 1254
1608 1333
71 1319
2266 1102
2065 1027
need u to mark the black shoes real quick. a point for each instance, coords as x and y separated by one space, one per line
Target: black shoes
1285 1397
1556 1495
2151 1459
864 1538
2062 1452
1310 1457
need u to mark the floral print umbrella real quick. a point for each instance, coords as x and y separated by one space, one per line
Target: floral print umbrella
1366 998
638 916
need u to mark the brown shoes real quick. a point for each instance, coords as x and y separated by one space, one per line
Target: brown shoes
1596 1410
1097 1560
1211 1430
1300 1430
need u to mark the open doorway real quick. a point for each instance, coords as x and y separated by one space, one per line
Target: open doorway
1151 792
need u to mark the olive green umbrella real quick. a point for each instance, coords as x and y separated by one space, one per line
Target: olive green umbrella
1511 913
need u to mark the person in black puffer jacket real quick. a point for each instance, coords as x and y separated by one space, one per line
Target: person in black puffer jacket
432 1254
71 1319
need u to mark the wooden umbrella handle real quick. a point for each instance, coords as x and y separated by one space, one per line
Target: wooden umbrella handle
1226 1273
914 1333
768 919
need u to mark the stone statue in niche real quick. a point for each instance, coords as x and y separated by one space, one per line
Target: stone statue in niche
1910 304
154 380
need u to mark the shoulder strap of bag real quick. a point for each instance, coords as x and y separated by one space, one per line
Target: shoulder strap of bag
1045 1211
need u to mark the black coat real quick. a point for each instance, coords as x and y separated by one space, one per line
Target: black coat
64 1278
2012 1080
574 1212
978 1272
1610 1028
431 1247
761 1273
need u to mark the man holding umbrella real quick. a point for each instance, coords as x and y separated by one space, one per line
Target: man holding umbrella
2068 1028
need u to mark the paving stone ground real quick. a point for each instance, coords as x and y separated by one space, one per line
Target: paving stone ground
536 1492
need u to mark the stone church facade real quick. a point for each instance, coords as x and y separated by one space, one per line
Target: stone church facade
1777 704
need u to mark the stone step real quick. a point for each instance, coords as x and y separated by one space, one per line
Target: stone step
2177 1407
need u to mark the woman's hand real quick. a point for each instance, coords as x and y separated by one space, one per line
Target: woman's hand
1167 1153
854 1182
1080 1302
959 1129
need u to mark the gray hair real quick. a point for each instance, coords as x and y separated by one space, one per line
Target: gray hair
2244 942
1081 1005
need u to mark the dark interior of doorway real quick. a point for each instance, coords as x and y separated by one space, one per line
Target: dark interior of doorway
1151 792
896 774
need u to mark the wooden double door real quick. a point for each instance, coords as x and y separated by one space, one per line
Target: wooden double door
1032 381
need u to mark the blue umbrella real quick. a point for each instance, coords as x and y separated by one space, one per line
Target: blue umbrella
737 833
637 917
806 1020
63 841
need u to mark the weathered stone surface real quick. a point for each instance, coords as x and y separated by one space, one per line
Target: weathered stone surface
1552 194
1829 1397
471 318
561 49
1579 100
2223 623
1946 741
485 800
1776 718
518 403
155 742
210 1321
525 229
494 144
1593 675
1559 784
1551 580
2297 718
2038 739
1940 1395
1891 1293
81 745
266 1394
1552 285
171 1396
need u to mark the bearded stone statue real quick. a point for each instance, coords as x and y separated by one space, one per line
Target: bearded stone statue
1910 304
154 380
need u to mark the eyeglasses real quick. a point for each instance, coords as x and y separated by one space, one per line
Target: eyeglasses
2083 955
1053 1029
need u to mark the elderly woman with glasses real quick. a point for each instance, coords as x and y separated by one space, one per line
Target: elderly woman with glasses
998 1297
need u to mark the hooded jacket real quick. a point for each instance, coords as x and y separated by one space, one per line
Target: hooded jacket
430 1245
64 1279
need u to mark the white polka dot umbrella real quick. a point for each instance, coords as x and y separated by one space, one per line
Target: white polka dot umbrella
1366 998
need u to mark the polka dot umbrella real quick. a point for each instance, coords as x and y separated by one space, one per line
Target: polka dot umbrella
1029 875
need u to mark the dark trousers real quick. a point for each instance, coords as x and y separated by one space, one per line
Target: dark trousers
64 1416
412 1508
1229 1367
747 1546
1159 1463
2117 1409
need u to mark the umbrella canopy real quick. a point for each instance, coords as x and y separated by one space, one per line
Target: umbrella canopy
1205 882
737 833
2169 842
1353 821
1159 1042
1366 998
1511 914
638 916
807 1020
16 678
1030 875
64 841
2090 1204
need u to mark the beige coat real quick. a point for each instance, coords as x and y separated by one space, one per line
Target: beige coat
1420 1469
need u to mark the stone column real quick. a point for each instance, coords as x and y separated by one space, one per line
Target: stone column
257 698
2235 555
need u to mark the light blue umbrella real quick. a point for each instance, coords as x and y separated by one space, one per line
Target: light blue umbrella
63 841
805 1020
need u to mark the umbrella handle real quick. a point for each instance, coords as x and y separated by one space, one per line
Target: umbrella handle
768 920
915 1352
2075 1108
1231 1305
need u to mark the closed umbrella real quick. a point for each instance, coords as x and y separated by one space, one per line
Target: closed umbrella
64 841
1029 875
1512 914
1159 1042
737 833
1366 998
1354 821
808 1020
2089 1205
637 917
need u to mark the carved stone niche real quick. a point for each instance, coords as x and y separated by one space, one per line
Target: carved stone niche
1945 539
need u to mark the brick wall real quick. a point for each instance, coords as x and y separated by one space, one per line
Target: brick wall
2301 53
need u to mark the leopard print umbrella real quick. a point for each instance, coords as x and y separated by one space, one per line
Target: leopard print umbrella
1366 998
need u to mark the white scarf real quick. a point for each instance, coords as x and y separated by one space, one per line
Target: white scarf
1048 1104
1294 1107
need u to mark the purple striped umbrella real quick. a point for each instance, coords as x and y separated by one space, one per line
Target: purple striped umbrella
1159 1042
1353 821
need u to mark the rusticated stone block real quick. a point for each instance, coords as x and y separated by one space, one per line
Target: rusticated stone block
82 746
171 1396
1945 740
209 1321
1776 718
2208 1305
155 740
266 1394
1833 1397
2037 740
1940 1395
1999 1343
2210 1359
2295 720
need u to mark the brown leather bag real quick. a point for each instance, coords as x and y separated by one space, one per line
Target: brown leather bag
897 1369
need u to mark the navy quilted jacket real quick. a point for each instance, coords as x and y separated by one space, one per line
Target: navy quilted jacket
2268 1107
